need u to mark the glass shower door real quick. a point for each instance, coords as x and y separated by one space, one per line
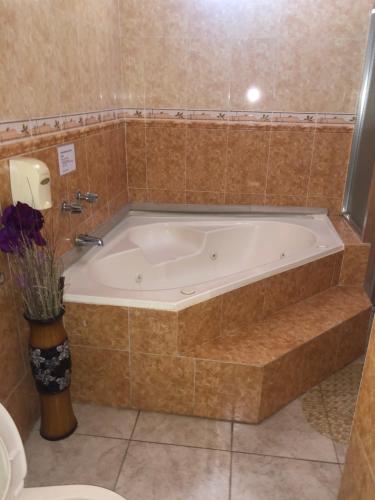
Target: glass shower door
362 159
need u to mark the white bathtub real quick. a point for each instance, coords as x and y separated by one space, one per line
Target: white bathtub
169 261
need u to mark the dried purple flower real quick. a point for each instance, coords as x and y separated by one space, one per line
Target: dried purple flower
21 226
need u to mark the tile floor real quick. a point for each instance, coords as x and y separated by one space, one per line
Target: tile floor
153 456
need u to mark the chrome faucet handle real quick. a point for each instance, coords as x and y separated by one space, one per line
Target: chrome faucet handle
89 197
73 208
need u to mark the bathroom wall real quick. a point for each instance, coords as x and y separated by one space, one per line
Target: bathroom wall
300 55
287 144
201 161
58 57
73 56
65 61
17 392
359 473
95 146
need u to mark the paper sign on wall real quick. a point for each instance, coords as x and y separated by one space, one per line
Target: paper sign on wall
67 158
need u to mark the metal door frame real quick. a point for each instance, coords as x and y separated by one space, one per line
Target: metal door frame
369 68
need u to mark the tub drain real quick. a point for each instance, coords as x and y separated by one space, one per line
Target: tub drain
139 278
187 291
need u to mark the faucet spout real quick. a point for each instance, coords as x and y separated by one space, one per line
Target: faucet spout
86 240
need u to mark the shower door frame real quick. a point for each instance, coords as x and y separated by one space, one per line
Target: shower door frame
368 70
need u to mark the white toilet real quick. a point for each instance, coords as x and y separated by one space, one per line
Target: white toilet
13 470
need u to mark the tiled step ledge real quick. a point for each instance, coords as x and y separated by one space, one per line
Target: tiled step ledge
241 377
356 254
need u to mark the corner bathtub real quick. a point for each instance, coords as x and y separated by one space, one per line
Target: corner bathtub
171 261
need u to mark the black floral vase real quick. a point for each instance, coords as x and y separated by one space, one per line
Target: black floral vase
51 367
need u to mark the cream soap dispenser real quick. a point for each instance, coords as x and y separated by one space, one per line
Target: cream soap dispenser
30 182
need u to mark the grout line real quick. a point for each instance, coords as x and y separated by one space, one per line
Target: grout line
126 158
179 445
145 136
194 382
268 165
129 355
282 457
132 440
186 141
313 154
126 453
226 162
231 461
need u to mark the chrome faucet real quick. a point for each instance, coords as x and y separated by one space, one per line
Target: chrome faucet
73 208
86 240
89 197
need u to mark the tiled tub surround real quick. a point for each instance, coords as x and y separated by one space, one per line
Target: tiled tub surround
95 146
301 55
192 161
93 142
100 168
217 161
241 356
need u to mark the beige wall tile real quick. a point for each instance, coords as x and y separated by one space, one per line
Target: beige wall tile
242 307
205 197
247 160
244 199
153 331
352 338
224 390
338 17
329 164
365 407
132 71
165 18
206 159
136 155
199 323
289 162
282 383
97 326
285 200
172 53
334 205
327 80
94 371
165 72
252 84
131 17
208 81
12 365
166 152
162 383
358 478
165 196
23 405
354 265
5 192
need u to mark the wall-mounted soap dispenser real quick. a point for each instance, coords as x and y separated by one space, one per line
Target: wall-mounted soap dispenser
30 182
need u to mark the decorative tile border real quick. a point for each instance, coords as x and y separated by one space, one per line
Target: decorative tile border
22 129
